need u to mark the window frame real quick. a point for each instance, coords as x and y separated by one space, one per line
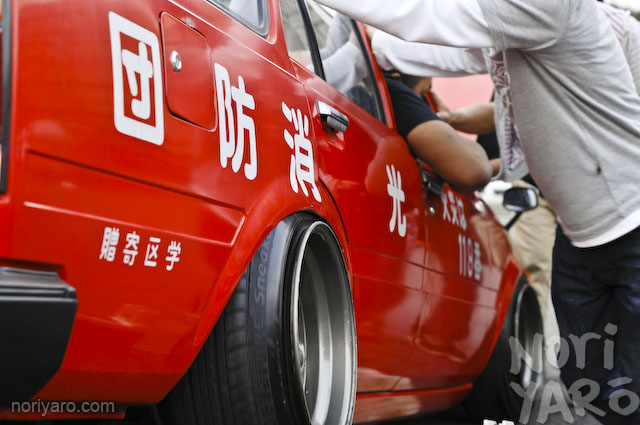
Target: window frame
262 30
319 69
314 48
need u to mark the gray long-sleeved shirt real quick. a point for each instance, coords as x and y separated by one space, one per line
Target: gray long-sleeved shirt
429 60
562 77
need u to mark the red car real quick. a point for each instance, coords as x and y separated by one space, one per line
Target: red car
204 202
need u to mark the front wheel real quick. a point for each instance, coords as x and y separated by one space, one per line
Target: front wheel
492 395
284 349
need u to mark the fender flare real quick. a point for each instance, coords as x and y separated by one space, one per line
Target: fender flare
246 245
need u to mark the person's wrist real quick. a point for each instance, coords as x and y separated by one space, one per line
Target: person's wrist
455 117
445 116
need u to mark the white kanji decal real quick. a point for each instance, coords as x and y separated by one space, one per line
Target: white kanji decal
151 257
232 142
110 239
173 252
138 64
478 261
137 80
470 257
461 214
445 207
302 165
453 209
131 249
394 189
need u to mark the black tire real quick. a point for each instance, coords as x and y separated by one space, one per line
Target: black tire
492 396
254 369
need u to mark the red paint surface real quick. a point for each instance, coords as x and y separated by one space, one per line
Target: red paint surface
422 329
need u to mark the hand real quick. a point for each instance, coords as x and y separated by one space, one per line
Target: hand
442 109
446 116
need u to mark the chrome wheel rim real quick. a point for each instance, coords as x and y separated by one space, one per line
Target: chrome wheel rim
322 329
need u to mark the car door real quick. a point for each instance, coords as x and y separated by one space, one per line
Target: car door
375 183
461 287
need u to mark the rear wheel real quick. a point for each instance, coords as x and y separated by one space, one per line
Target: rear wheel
284 349
492 395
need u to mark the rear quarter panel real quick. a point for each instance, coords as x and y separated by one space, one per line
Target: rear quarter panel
74 175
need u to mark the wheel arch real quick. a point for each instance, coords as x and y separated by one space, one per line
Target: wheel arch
260 220
512 275
254 360
492 394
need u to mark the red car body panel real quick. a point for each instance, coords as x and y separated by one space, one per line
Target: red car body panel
426 322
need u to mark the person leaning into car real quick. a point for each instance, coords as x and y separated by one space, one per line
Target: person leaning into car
459 161
534 233
563 83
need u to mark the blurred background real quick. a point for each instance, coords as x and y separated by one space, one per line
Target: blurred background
632 5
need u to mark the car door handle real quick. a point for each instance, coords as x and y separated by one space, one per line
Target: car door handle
332 117
430 182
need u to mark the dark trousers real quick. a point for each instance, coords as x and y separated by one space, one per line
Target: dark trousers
596 293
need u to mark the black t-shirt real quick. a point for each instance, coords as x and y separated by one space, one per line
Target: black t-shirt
489 143
410 110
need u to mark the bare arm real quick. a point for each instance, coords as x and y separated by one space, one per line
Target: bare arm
496 164
473 119
459 161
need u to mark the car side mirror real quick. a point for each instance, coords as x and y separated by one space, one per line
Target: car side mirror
520 199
